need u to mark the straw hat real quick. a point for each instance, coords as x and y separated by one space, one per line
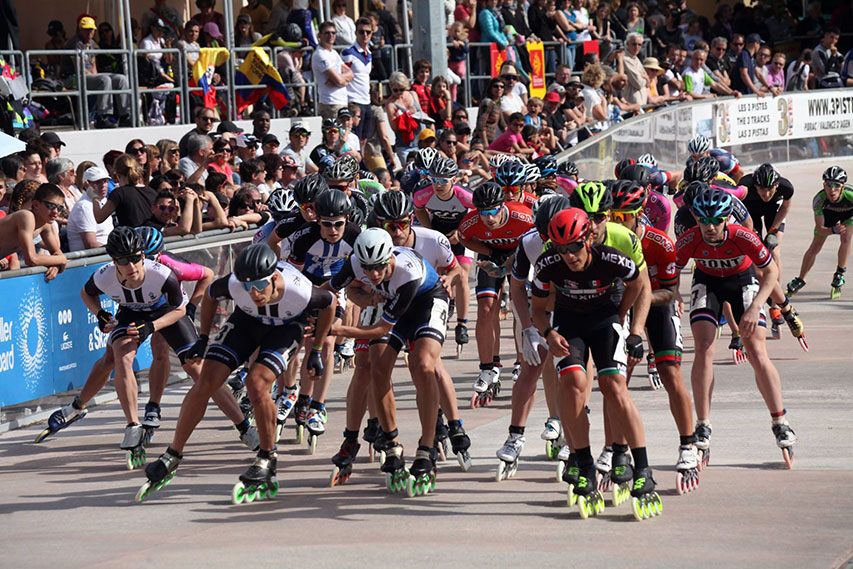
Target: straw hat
653 64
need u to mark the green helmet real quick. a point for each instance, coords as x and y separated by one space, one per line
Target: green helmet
592 197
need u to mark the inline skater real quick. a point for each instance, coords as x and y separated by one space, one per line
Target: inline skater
833 215
441 206
662 181
657 208
493 231
281 206
414 313
700 145
272 300
588 317
512 176
725 254
547 183
662 324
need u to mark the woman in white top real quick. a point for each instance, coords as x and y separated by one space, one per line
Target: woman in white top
511 102
343 24
582 20
797 76
596 105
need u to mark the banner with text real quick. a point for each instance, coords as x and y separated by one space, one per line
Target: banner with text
537 68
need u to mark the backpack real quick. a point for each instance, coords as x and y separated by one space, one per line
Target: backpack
796 82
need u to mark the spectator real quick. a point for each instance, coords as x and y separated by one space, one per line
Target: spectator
247 207
205 118
258 13
516 86
781 24
207 15
744 78
155 160
222 153
299 135
22 195
199 157
246 148
426 139
540 19
330 73
139 151
384 177
699 83
602 30
350 117
534 110
169 214
420 84
189 44
797 75
595 105
654 70
60 172
169 154
253 172
735 47
511 141
108 62
827 61
273 170
14 170
635 22
717 61
675 56
847 69
510 102
440 103
376 141
261 122
34 158
614 86
360 61
491 24
57 41
278 16
244 35
813 24
168 15
723 22
289 171
582 20
269 144
770 69
83 231
669 34
344 26
131 201
52 139
457 53
637 89
211 35
400 108
107 113
78 174
20 230
466 13
289 63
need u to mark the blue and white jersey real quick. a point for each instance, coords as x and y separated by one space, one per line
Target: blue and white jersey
262 234
159 289
412 278
434 247
318 259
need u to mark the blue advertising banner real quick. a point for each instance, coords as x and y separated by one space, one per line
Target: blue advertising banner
48 339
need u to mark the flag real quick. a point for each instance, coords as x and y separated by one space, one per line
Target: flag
497 57
257 70
208 59
537 68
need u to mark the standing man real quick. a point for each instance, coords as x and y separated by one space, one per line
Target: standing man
358 58
330 73
299 135
744 79
637 90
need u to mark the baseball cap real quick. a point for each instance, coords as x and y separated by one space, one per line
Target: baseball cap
87 23
299 127
212 30
270 138
754 38
94 174
246 140
553 97
52 138
344 113
288 162
425 134
228 126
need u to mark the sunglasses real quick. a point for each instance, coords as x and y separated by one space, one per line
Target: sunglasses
569 247
450 141
306 207
400 225
227 149
597 217
397 90
138 150
374 267
169 208
440 181
499 85
510 78
623 215
335 224
301 133
129 259
258 285
488 212
711 220
208 119
738 44
53 206
830 185
273 144
364 32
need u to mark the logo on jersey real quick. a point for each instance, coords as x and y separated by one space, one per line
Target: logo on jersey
721 264
617 259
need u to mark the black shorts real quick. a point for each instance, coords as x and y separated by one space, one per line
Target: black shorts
488 286
708 293
180 336
600 336
664 329
425 318
242 334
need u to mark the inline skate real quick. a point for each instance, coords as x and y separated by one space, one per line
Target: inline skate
792 318
60 419
284 405
371 432
687 469
836 284
621 475
394 467
562 462
460 443
461 337
603 465
314 425
508 455
159 474
552 436
135 438
422 475
795 285
258 482
344 459
441 435
703 442
570 476
487 387
589 498
646 502
785 439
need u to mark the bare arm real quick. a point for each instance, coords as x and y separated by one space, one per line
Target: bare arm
201 286
638 294
781 214
102 212
26 228
90 239
423 216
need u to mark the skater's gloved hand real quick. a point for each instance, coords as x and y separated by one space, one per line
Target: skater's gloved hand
141 331
634 343
771 241
106 321
191 308
198 349
531 341
315 363
492 269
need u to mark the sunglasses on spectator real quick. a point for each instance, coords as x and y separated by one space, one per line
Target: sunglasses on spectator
130 259
208 119
440 181
335 224
374 266
138 150
738 44
450 141
251 204
569 247
711 220
174 151
272 144
169 208
399 225
499 85
258 285
53 206
518 124
227 149
491 211
364 32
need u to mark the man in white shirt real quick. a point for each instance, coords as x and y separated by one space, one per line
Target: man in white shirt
194 165
299 135
698 83
358 58
83 231
330 74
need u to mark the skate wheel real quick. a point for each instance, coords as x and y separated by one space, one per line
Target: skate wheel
788 455
500 475
584 507
333 479
381 458
561 468
43 435
549 450
300 434
639 512
464 460
803 344
681 484
238 494
279 427
442 452
489 399
388 483
474 401
571 497
412 487
312 444
143 492
272 490
835 293
370 457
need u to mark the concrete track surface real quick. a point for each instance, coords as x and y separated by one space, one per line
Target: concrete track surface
68 502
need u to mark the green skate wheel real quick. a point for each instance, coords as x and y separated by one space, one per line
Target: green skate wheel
583 508
143 492
599 504
272 492
549 449
251 494
658 505
638 510
238 494
571 497
432 483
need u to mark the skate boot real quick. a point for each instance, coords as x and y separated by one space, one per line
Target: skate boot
347 353
792 318
284 405
134 435
785 439
258 482
687 469
159 474
603 465
562 461
621 475
516 371
654 376
60 419
421 478
246 409
703 442
646 501
795 285
590 500
776 321
338 360
837 283
551 435
441 434
301 418
508 455
344 459
379 446
394 467
150 421
738 351
237 383
570 477
460 443
461 338
315 426
251 439
371 432
487 387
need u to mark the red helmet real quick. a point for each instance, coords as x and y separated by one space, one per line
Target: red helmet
568 226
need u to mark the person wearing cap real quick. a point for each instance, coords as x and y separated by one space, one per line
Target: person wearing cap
168 16
743 78
426 138
205 118
155 40
299 135
350 118
628 61
57 40
510 103
270 144
258 14
211 35
83 231
55 143
360 61
244 35
111 109
330 74
228 126
331 145
247 147
207 14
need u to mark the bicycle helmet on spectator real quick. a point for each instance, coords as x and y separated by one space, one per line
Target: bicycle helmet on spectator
306 190
592 197
255 262
333 203
647 159
699 144
392 205
373 246
621 165
443 167
123 241
152 240
637 173
487 196
835 174
628 195
712 202
765 176
547 165
546 208
568 226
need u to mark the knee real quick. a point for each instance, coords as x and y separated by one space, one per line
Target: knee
423 370
612 388
119 81
704 346
256 388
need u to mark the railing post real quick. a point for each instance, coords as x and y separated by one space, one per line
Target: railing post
231 67
132 79
81 87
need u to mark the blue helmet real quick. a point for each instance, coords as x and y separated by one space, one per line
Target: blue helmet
713 202
547 165
152 240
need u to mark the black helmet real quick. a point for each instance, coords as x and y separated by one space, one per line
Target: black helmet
444 167
358 214
291 33
621 165
765 176
152 240
488 195
344 169
692 190
392 205
702 170
306 190
367 175
636 173
547 165
281 202
835 174
255 262
546 209
333 203
568 168
124 241
628 195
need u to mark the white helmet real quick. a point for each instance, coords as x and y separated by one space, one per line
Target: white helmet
699 144
373 246
647 159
